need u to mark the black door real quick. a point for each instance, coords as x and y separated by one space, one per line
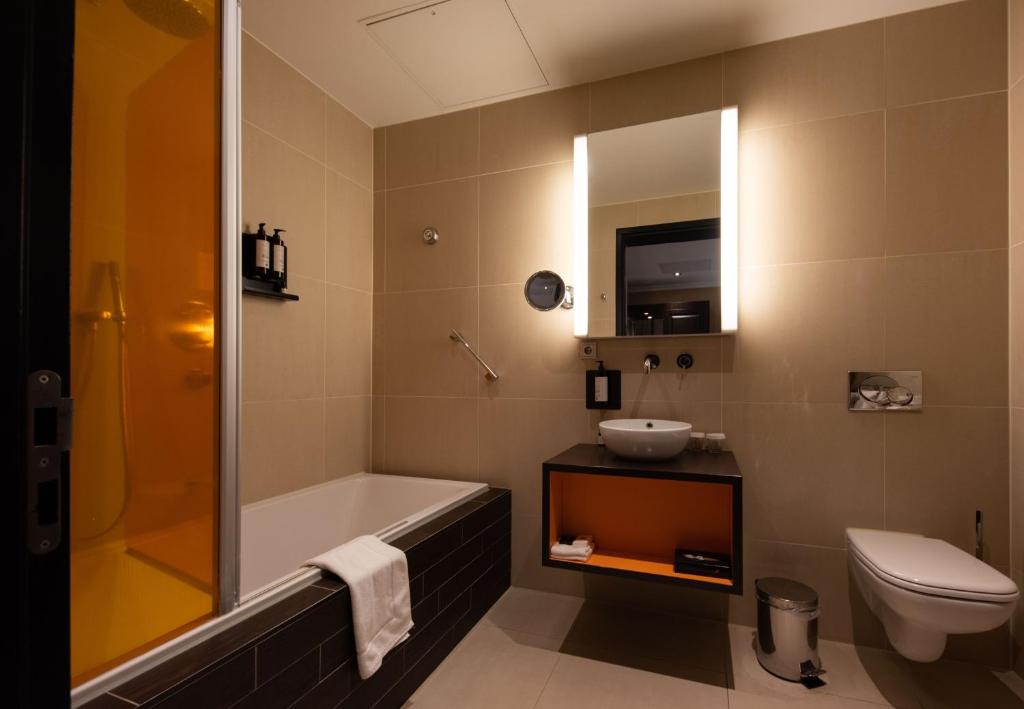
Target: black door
37 166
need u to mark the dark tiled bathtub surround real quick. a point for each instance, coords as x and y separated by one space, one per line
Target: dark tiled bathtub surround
300 652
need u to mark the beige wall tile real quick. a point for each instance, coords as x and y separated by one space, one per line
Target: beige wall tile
679 89
605 219
702 382
419 357
380 248
285 189
281 101
283 344
451 208
810 470
1017 327
1016 117
282 447
654 596
942 310
349 322
813 191
679 208
347 435
518 435
533 352
950 50
847 618
802 327
1016 19
431 149
349 233
527 570
941 465
533 130
946 169
525 223
819 75
380 158
432 437
1017 488
349 144
379 433
379 346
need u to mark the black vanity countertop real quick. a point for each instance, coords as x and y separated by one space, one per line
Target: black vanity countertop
589 457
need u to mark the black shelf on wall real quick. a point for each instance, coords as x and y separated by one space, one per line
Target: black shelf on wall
251 286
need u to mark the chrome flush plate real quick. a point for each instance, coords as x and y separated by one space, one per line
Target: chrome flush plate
886 391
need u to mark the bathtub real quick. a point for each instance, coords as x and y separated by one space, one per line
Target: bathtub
279 534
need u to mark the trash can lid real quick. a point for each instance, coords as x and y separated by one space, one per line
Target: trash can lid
786 594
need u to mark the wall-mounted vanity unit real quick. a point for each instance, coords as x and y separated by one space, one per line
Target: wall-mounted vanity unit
641 514
655 228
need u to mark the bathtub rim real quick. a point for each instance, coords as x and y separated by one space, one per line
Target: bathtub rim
259 600
305 575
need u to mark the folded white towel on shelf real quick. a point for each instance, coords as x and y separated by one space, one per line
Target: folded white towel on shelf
377 575
580 549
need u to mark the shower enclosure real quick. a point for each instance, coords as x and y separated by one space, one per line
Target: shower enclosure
127 298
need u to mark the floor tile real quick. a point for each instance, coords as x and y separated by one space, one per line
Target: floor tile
491 667
527 611
581 682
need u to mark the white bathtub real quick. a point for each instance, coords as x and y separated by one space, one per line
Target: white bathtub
280 533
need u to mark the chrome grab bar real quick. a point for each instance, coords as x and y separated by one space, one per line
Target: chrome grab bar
489 373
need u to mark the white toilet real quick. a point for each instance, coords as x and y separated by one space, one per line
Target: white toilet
923 589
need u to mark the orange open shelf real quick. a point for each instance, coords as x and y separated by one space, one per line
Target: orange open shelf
639 514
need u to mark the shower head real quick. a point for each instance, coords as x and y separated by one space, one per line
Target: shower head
188 19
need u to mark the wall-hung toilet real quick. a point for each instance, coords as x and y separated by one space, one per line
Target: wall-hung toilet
923 589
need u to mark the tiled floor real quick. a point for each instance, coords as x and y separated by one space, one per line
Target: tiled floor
545 651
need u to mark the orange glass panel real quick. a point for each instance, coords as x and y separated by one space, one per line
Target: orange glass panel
145 230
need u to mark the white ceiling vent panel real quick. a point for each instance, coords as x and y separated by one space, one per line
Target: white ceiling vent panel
460 51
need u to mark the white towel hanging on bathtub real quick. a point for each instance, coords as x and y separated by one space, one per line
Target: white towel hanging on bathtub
378 580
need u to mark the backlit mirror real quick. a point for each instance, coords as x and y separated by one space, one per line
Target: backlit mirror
660 238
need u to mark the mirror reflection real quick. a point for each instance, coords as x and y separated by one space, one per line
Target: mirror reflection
655 264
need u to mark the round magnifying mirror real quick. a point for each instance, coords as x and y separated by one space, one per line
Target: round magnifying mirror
544 290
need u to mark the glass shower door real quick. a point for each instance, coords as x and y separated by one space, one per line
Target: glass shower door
145 213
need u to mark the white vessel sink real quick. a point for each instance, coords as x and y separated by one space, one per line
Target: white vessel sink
645 439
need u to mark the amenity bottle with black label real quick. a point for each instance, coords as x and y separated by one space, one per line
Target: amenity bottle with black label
279 255
262 261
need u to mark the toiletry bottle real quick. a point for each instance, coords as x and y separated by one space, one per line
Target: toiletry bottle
278 259
262 263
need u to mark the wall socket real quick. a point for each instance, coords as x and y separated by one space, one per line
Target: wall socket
588 349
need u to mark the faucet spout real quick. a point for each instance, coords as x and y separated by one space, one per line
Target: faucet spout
651 363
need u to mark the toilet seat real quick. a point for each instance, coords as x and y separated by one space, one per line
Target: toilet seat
929 566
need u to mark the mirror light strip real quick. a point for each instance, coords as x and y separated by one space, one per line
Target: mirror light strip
581 237
730 219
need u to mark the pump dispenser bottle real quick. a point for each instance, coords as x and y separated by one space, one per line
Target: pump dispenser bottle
261 267
279 257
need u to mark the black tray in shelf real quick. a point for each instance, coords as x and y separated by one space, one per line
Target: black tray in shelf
251 286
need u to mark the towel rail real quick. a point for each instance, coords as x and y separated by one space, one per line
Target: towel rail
489 374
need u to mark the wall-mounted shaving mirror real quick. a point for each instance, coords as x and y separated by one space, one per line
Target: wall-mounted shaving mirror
545 290
661 230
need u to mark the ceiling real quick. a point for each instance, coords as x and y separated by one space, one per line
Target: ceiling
571 41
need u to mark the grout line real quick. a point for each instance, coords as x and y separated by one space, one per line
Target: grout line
123 699
478 174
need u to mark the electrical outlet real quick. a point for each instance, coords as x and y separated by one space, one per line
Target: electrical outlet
588 349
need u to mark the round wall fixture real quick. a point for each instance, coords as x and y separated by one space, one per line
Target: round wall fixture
545 290
431 236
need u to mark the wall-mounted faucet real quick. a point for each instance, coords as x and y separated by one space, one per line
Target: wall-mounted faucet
651 363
